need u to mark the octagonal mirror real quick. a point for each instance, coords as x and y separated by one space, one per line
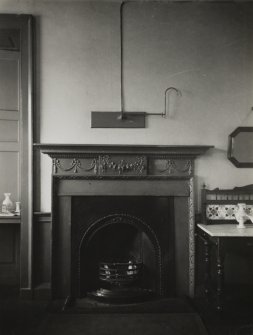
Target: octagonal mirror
240 147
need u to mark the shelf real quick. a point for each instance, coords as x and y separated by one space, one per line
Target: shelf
10 219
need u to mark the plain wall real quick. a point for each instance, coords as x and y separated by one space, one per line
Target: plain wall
204 49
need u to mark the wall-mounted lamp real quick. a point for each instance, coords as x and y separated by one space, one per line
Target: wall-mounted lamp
166 99
125 119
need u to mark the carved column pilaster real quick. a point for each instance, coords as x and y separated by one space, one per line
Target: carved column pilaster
191 239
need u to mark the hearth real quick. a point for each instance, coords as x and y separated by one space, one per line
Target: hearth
122 221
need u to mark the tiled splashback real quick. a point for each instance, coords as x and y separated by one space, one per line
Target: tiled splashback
225 212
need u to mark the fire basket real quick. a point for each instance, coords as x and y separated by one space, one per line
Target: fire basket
120 282
120 273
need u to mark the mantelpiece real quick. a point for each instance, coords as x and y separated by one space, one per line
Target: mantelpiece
81 171
109 160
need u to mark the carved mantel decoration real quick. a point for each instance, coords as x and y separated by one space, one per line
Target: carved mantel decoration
122 160
100 165
90 170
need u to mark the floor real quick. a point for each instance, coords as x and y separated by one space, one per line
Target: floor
237 318
19 317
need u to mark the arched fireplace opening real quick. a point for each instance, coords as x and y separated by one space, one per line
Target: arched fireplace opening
122 246
120 258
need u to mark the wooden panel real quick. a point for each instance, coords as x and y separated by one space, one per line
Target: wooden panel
181 239
42 248
9 169
7 246
61 267
9 39
9 83
42 255
124 187
9 115
9 146
9 255
115 120
9 131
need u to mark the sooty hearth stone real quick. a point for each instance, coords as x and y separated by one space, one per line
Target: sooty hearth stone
87 305
123 324
121 295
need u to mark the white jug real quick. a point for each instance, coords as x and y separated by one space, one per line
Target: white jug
7 205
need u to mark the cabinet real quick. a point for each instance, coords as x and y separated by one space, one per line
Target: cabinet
222 238
9 250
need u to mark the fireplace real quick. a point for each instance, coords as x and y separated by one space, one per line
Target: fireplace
122 221
110 232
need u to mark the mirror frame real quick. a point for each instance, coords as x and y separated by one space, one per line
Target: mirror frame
231 147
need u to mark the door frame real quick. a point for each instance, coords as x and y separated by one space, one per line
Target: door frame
25 25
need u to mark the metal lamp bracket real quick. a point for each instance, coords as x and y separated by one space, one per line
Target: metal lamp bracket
123 119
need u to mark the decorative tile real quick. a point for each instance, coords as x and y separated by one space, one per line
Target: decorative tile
224 212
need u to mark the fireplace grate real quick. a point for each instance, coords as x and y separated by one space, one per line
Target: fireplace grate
120 273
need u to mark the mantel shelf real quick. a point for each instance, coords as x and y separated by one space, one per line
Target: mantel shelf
54 150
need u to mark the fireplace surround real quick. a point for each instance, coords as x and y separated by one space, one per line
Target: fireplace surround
122 202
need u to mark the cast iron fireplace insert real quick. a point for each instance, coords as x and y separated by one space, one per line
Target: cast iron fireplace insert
116 230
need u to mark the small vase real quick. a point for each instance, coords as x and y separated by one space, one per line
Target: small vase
7 204
240 215
17 210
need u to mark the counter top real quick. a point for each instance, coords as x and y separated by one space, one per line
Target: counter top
227 230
